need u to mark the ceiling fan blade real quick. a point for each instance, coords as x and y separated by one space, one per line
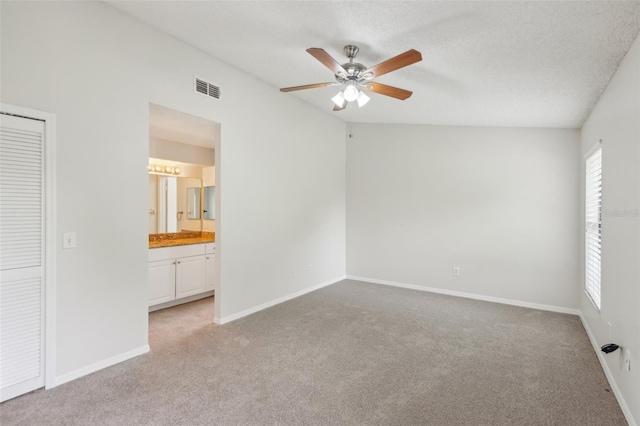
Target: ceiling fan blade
340 108
383 89
307 86
327 60
402 60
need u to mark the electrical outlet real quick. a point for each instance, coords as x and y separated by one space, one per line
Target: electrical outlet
456 271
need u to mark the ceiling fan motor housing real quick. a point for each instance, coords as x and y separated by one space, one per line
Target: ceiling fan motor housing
351 51
353 69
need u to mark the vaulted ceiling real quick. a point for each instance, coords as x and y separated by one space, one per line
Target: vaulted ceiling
502 63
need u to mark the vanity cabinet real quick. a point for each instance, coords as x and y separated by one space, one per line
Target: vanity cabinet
180 271
210 266
162 281
190 276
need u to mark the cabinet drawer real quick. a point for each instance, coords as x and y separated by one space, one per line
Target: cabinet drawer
210 248
166 253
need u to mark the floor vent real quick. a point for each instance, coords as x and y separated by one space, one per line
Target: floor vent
206 88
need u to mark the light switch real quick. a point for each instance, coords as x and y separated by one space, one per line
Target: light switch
69 240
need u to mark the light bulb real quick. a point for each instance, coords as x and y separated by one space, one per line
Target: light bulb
338 99
362 99
168 169
158 169
350 93
150 167
176 171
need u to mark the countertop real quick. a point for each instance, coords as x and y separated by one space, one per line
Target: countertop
180 239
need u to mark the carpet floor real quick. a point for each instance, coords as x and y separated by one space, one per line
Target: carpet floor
352 353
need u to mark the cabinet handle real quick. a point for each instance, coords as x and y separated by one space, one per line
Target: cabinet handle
174 262
207 257
178 262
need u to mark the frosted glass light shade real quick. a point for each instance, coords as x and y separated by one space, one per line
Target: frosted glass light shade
362 99
351 93
338 99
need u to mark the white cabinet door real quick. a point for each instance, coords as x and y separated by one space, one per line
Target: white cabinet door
190 276
210 272
162 281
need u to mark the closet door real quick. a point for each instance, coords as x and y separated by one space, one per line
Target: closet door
21 256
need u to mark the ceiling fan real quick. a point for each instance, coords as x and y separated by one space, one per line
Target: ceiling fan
357 78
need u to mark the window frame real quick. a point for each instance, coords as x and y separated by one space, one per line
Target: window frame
593 193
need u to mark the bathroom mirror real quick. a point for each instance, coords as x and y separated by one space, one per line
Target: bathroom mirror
168 204
209 202
193 203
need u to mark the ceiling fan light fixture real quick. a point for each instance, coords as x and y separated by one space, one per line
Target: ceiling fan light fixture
338 99
362 99
351 92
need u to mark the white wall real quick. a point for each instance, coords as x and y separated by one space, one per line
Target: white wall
185 153
501 204
280 170
616 120
209 176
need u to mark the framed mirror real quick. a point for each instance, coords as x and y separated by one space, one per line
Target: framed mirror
209 202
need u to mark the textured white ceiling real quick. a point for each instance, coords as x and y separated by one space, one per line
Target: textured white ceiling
503 63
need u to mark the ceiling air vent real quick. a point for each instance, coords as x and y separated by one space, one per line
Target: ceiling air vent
206 88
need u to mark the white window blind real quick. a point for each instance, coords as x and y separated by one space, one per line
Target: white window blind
593 225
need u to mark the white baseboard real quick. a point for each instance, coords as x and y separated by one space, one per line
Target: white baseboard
607 372
181 301
100 365
274 302
539 306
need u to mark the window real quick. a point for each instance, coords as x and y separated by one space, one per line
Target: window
593 225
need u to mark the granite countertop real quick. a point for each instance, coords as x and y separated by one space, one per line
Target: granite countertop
180 239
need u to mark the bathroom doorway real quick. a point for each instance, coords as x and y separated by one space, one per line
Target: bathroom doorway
182 219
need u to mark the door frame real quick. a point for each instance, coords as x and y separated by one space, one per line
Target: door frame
188 108
49 233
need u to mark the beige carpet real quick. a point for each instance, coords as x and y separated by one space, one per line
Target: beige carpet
349 354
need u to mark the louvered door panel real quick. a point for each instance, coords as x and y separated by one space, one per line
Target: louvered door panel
21 256
21 316
21 199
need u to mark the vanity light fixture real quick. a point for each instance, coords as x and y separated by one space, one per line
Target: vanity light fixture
163 170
